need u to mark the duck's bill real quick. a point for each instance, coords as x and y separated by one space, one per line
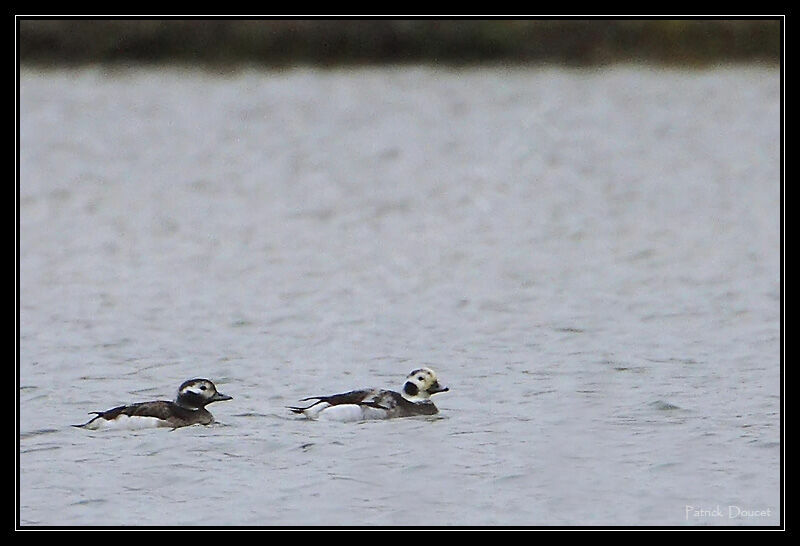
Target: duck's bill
436 388
219 396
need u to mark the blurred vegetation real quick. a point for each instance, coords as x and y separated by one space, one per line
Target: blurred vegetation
329 42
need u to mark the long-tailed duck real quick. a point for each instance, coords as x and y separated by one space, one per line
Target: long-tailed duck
357 405
187 409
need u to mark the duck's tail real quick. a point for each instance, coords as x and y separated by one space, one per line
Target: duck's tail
297 409
92 420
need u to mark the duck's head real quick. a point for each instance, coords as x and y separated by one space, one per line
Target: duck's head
197 393
421 384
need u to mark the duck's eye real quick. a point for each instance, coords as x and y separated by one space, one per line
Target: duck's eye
203 387
420 378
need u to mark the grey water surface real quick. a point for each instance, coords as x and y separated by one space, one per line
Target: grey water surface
589 259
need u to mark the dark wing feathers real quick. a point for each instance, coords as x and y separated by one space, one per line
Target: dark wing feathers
160 409
364 397
169 412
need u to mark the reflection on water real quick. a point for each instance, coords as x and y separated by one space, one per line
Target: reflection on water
589 259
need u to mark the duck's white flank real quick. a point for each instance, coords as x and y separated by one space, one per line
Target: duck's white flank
126 422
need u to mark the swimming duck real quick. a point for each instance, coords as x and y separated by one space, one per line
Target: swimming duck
413 399
188 408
